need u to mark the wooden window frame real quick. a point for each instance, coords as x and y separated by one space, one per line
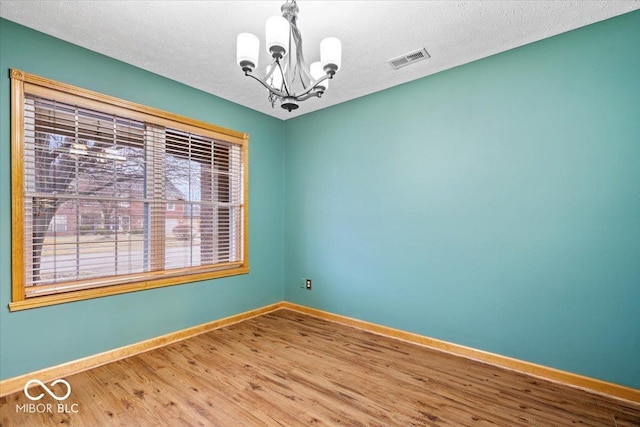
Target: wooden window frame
23 83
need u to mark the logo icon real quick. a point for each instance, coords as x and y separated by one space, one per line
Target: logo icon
47 389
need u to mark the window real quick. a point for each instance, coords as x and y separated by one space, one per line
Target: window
112 197
59 223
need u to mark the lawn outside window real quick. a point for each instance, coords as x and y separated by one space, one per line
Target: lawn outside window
109 196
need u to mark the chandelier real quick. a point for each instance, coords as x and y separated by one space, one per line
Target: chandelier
287 78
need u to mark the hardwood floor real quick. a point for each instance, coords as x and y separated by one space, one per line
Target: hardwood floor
289 369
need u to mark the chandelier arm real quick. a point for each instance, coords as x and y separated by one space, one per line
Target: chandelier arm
315 85
276 92
309 95
282 94
284 79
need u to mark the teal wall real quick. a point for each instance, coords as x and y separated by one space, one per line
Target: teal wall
43 337
495 205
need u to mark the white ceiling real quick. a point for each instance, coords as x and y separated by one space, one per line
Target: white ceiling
193 42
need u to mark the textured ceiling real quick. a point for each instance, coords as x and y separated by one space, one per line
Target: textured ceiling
193 42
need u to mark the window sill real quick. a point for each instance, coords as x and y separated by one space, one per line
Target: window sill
84 294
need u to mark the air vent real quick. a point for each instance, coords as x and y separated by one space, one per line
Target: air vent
409 58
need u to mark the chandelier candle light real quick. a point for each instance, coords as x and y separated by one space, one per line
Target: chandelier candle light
286 71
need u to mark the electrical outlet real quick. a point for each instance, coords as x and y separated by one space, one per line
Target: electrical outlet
308 284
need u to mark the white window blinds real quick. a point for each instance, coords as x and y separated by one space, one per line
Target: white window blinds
109 199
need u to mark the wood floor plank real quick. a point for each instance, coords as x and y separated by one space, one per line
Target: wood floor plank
287 369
